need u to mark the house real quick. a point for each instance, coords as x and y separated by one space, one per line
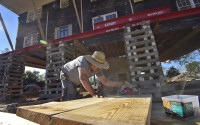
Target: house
89 25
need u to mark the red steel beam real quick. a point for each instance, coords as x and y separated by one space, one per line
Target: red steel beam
133 17
177 15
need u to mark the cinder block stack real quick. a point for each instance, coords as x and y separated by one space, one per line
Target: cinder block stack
144 64
11 75
57 56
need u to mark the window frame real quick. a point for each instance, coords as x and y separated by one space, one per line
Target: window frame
32 40
56 36
104 17
33 15
62 2
192 4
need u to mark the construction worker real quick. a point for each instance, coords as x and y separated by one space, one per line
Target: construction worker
79 70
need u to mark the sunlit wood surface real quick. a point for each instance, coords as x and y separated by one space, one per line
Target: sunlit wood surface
98 111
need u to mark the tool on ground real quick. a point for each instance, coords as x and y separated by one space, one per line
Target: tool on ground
128 89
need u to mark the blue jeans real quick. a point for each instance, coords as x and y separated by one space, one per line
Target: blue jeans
69 89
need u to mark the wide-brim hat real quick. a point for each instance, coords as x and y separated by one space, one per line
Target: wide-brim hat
98 59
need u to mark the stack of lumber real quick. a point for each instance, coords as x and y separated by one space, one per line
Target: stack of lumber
11 75
101 111
57 56
142 52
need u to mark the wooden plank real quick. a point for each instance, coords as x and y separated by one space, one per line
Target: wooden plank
42 113
144 61
182 41
146 68
142 49
143 55
77 15
133 43
147 75
108 111
117 111
80 47
139 37
138 32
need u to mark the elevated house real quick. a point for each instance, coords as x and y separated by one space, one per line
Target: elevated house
135 35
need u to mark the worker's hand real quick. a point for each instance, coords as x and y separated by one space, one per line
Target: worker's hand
98 96
123 83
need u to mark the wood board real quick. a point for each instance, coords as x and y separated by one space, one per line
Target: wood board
118 111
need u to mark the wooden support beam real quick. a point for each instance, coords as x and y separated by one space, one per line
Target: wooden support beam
47 21
77 15
82 15
182 41
81 48
38 20
32 59
131 6
156 28
35 65
6 32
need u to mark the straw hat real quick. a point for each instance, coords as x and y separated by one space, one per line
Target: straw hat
98 59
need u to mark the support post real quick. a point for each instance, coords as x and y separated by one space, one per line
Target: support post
38 20
131 6
47 24
77 15
5 30
82 15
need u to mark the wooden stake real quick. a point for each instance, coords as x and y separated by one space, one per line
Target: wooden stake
5 30
47 24
77 15
82 14
38 20
131 6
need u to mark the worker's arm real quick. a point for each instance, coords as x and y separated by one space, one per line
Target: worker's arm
109 83
85 81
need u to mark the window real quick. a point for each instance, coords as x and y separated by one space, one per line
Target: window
104 17
197 3
31 16
63 31
186 4
31 40
64 3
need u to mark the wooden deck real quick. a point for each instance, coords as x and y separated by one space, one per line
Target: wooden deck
98 111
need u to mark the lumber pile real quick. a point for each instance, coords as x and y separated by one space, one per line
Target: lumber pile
143 58
57 56
11 73
107 111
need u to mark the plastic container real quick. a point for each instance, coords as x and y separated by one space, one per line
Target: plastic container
181 105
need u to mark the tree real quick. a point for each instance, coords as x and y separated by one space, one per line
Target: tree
33 78
5 50
172 72
193 68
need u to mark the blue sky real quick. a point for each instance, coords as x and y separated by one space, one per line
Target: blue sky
11 22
